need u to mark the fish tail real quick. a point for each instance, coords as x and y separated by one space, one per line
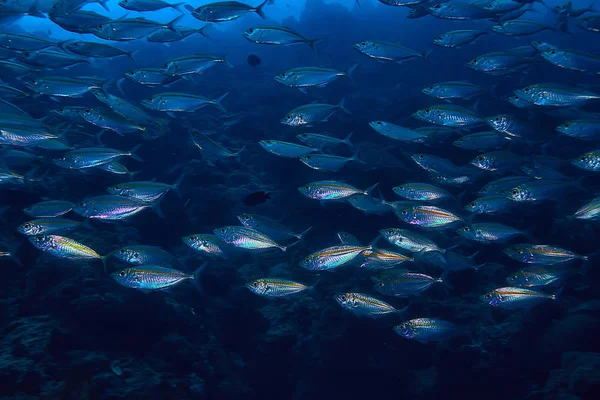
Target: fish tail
312 44
104 260
171 25
217 102
350 71
226 62
237 153
370 189
202 32
301 235
196 277
119 85
355 156
133 151
177 6
177 184
341 106
259 9
427 53
347 140
34 11
103 4
130 55
189 8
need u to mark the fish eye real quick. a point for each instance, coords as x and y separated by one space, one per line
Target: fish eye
480 158
473 204
283 75
254 284
553 52
269 141
466 229
488 296
250 30
427 110
430 87
223 230
381 284
497 119
379 123
343 297
437 6
514 192
404 212
514 277
474 60
363 43
566 125
122 251
526 90
307 187
307 157
421 157
246 217
583 158
521 252
122 274
289 116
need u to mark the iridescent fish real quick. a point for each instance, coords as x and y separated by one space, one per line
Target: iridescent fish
490 232
286 149
406 285
111 207
541 254
139 254
308 114
515 297
333 257
64 247
427 330
207 244
408 240
275 287
538 276
331 190
44 226
428 217
152 277
364 305
246 238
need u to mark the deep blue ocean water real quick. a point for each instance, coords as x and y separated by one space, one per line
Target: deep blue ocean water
69 331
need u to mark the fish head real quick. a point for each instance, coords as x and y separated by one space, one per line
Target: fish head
43 242
247 220
101 95
466 232
585 161
483 161
116 189
519 193
518 279
492 298
346 300
258 286
425 114
127 255
405 330
542 46
252 34
225 233
421 159
127 277
63 161
267 144
432 90
476 63
82 208
552 55
390 233
294 119
152 103
567 128
527 93
312 191
205 13
105 31
439 9
29 228
136 75
442 40
475 206
519 253
365 47
498 122
286 77
379 126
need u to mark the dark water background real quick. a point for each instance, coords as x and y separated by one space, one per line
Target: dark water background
63 325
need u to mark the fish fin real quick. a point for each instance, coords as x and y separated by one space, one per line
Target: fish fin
427 53
103 4
156 208
217 102
173 22
196 279
130 55
189 8
350 71
237 153
119 85
347 141
259 9
313 42
355 155
133 152
202 32
34 11
177 6
104 260
341 106
303 90
177 184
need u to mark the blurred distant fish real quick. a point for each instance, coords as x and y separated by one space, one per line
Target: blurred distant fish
181 102
19 42
269 227
460 11
406 285
143 254
521 27
326 162
584 129
63 86
286 149
457 38
150 77
253 60
88 157
453 90
590 211
541 254
397 132
490 232
320 141
127 29
225 11
147 5
193 64
537 276
256 198
95 50
44 226
50 208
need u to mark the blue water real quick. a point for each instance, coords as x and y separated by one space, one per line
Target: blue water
69 331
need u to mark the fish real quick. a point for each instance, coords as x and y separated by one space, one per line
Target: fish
421 192
109 121
590 23
148 5
45 226
453 90
305 77
499 63
207 243
590 211
49 209
152 277
257 198
497 161
538 276
539 190
50 58
493 204
521 27
111 207
406 285
397 132
459 11
64 247
573 60
589 161
364 305
286 149
482 141
541 254
277 35
515 297
225 11
21 42
321 141
126 29
143 255
145 191
332 257
425 330
246 238
308 114
409 240
383 259
269 227
194 64
490 232
95 50
61 86
513 127
331 190
449 115
584 129
275 287
388 51
369 204
211 150
326 162
556 95
150 77
455 39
